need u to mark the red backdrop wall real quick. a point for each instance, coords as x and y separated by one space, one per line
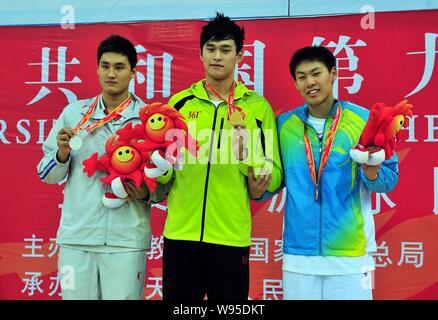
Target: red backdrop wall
43 68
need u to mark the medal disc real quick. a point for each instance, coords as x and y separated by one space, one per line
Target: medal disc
236 119
75 143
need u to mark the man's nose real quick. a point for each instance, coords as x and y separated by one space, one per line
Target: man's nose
217 55
310 81
111 73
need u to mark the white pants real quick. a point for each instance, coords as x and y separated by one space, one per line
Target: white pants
95 276
297 286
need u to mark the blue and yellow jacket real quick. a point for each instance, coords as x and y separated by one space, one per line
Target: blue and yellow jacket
333 225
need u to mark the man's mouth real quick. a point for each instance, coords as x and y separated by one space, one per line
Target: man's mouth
313 91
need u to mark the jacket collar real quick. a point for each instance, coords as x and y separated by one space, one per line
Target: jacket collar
199 90
302 111
99 113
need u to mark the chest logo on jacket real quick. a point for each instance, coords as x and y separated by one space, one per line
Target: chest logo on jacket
194 114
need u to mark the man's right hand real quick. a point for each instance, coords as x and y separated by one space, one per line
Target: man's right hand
240 140
62 139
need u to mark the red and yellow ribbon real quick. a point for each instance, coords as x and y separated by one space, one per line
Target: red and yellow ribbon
231 107
325 153
104 120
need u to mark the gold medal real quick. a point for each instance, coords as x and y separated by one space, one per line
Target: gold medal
236 119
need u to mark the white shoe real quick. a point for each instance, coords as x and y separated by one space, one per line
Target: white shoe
109 200
376 158
160 162
118 188
359 156
153 172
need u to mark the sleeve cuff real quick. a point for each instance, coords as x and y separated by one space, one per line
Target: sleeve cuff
66 163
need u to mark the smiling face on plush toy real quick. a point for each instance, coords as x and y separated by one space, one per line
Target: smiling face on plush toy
125 159
157 125
399 121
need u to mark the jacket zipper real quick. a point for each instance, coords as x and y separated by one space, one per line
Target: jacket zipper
208 173
319 198
220 133
318 185
107 226
321 144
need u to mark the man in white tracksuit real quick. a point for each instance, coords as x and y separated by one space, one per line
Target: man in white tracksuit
102 250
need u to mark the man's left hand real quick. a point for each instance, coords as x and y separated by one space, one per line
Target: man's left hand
370 171
257 187
135 193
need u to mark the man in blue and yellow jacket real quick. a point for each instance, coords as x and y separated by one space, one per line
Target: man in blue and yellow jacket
328 225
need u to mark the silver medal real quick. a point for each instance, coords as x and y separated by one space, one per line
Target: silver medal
75 143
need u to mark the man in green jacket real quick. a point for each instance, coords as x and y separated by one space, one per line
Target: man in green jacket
207 234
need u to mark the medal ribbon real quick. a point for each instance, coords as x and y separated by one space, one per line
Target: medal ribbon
104 120
231 107
325 153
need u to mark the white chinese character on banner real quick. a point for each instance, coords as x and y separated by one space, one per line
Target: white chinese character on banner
156 250
380 257
53 248
54 285
148 62
272 289
278 251
243 70
429 63
61 74
351 58
412 253
259 249
157 287
33 247
385 197
32 284
281 203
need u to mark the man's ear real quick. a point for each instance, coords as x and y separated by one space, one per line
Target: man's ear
133 73
240 56
333 74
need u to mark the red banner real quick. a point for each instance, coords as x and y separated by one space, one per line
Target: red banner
45 68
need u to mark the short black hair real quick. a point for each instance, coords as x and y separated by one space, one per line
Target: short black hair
312 53
222 28
118 44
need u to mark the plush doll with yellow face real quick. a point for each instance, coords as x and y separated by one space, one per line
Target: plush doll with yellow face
123 161
381 132
163 133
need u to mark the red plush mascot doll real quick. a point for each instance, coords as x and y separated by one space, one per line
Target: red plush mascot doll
162 133
377 142
142 153
122 161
